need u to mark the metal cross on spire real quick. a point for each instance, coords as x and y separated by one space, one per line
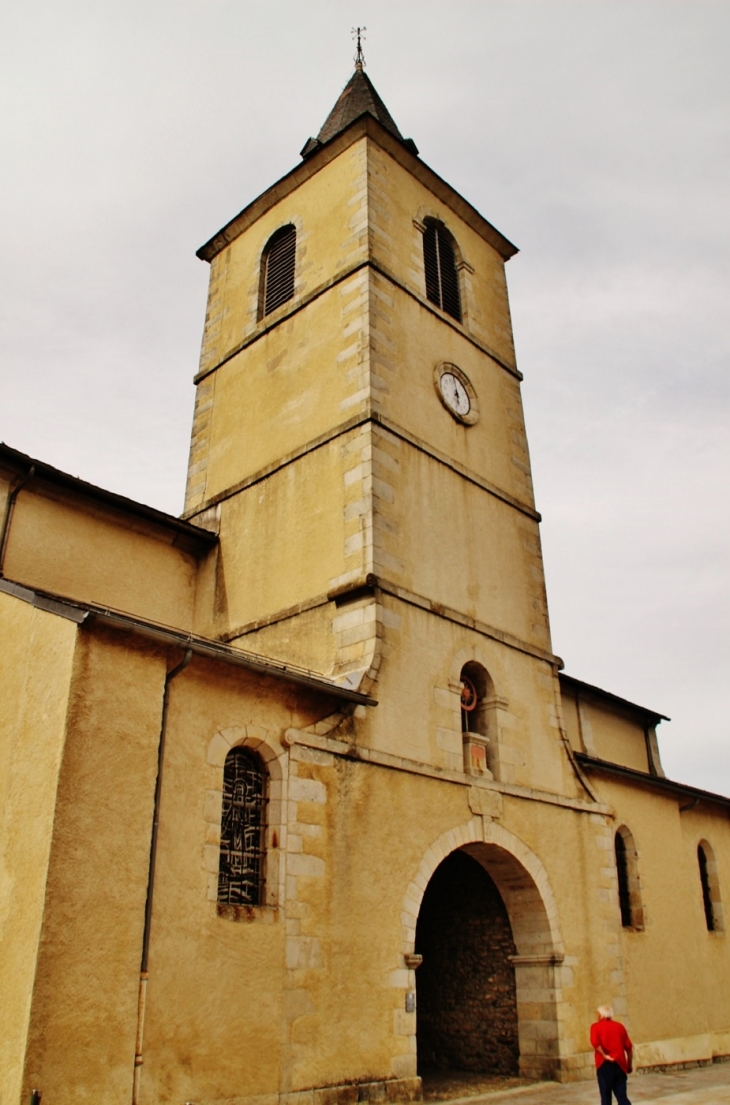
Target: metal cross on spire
359 34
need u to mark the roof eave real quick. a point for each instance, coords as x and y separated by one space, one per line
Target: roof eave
655 782
185 535
401 152
612 699
84 613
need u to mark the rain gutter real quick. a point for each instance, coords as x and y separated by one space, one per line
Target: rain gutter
144 971
199 646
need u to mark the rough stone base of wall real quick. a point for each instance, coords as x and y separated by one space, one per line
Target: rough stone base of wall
389 1090
690 1064
582 1067
574 1068
351 1093
538 1068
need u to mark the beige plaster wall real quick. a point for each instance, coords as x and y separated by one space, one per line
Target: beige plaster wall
288 388
305 368
571 721
419 716
605 732
83 553
396 199
283 540
83 1019
699 825
409 339
307 639
484 557
326 210
616 738
35 670
677 974
217 993
309 989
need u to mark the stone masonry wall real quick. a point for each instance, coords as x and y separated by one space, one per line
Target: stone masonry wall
466 999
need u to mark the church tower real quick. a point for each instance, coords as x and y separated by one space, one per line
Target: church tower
366 830
359 443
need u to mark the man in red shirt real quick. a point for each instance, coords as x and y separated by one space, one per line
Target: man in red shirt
614 1056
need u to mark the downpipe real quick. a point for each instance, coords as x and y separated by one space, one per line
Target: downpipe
143 972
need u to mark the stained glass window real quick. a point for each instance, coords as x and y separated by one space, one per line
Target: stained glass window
241 867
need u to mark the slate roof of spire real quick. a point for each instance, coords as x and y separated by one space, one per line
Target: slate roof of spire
357 98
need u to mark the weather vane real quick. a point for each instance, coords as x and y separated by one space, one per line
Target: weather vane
359 34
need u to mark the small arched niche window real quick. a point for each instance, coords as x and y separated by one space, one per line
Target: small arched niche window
627 870
243 822
474 688
277 270
710 887
439 262
480 751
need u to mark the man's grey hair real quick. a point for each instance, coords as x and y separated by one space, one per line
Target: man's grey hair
605 1011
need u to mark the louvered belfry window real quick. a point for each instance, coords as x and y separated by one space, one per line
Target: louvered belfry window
442 278
278 269
241 865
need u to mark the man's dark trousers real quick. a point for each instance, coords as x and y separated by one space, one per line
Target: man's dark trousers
612 1080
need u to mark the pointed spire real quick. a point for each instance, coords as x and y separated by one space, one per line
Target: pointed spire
357 98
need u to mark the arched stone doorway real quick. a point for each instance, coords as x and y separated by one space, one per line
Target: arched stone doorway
521 883
466 995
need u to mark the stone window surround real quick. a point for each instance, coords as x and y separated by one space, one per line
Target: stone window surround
499 756
274 759
463 269
718 915
257 320
634 887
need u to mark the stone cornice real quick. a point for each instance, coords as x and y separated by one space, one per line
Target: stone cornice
266 325
345 427
368 126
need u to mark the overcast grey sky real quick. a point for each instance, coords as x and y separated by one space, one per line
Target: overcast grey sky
592 134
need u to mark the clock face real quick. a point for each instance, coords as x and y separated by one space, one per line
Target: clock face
455 395
456 392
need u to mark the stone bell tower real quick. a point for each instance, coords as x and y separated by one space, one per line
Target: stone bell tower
359 441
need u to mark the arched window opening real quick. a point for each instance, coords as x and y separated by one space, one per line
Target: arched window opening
474 683
627 870
710 887
479 748
243 821
624 895
277 269
439 262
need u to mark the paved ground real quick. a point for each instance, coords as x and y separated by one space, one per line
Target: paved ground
702 1086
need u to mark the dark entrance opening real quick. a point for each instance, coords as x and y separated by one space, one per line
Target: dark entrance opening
466 999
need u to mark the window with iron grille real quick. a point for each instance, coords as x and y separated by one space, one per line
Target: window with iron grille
277 269
439 261
243 821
